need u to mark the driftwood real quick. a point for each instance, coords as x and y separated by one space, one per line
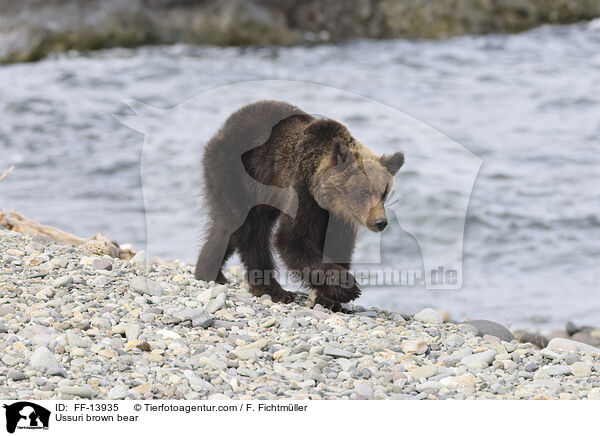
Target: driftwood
98 244
23 224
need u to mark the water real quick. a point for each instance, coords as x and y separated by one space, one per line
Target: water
527 105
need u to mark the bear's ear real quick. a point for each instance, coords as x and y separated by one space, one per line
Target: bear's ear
340 150
393 162
342 157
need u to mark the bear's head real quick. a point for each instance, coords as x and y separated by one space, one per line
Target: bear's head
352 182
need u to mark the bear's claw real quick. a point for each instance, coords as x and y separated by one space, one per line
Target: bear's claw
277 295
328 303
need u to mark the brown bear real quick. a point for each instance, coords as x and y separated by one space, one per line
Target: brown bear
271 163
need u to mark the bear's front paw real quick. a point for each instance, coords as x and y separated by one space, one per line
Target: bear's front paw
336 283
283 296
328 303
341 293
277 294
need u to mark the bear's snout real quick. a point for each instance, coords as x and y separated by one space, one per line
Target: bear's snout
381 223
377 218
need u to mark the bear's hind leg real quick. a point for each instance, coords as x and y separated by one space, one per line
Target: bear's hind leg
253 241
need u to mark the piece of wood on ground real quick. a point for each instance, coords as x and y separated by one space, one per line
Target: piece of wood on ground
99 244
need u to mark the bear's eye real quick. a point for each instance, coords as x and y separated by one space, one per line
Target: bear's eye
385 193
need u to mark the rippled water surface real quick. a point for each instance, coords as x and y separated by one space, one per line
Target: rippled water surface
527 105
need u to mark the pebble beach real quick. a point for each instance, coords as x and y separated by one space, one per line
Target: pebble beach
78 324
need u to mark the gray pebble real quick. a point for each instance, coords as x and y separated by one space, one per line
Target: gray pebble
216 304
61 282
336 352
102 264
78 391
44 360
571 358
16 376
188 313
428 315
118 392
146 286
479 360
142 261
202 320
532 367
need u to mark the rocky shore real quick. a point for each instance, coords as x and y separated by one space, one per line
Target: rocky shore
32 29
76 324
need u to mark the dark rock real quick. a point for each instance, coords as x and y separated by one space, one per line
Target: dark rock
485 327
534 338
571 328
144 346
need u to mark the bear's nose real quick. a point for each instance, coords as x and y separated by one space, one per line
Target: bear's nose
380 223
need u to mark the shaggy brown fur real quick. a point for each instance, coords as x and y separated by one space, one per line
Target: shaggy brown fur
273 163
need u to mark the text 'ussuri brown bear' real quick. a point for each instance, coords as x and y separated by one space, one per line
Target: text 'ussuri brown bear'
273 163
